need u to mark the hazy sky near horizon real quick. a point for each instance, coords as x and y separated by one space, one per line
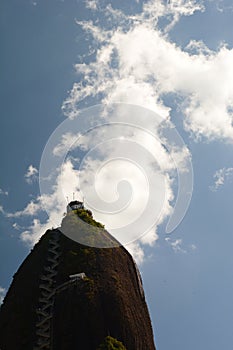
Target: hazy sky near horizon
174 58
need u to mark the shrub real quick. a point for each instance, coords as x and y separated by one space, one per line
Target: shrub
86 215
110 343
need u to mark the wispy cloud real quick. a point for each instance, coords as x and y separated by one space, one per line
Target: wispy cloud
16 226
223 5
31 174
31 209
176 245
33 3
193 246
220 178
91 4
4 193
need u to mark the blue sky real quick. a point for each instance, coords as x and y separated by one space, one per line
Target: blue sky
183 71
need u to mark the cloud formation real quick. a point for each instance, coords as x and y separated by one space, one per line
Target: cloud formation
134 61
220 177
31 174
125 164
66 184
2 294
3 193
223 5
176 245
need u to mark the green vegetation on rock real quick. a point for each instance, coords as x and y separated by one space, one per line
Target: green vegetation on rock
80 224
86 215
110 343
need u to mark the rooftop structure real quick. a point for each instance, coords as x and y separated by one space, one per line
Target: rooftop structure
74 205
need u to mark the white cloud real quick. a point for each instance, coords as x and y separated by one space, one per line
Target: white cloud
176 245
68 182
150 238
4 193
137 63
223 5
220 177
31 209
31 174
193 246
92 4
54 203
2 294
35 231
171 9
118 159
67 143
16 226
137 252
33 3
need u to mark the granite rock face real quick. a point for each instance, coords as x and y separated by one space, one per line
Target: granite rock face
45 308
